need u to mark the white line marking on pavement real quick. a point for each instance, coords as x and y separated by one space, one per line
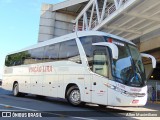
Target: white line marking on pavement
1 110
18 107
83 118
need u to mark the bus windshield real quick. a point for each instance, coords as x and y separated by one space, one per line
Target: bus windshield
128 69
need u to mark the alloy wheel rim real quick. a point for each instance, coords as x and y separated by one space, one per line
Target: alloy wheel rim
75 96
16 90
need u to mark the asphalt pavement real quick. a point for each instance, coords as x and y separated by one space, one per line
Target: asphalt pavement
59 109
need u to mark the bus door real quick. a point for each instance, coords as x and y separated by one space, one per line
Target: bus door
99 78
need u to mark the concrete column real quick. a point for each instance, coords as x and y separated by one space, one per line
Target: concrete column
63 24
46 27
54 23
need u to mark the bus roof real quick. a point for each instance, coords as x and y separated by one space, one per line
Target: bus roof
73 36
98 33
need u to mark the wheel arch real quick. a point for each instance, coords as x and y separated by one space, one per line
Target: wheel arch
69 86
14 84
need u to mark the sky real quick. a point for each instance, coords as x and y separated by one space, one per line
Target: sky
19 25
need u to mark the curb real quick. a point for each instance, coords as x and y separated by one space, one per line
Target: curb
155 102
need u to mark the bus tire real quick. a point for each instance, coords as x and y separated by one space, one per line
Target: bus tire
16 90
102 106
74 96
40 97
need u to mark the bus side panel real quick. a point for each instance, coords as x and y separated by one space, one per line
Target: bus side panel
24 84
87 91
69 73
50 86
77 80
36 84
8 79
16 74
60 86
7 82
23 78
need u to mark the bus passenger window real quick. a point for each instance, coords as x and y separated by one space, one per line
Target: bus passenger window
26 59
51 53
37 55
69 51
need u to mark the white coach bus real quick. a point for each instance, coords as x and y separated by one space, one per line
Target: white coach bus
83 67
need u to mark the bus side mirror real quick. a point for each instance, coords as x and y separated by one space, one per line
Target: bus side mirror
151 57
112 46
149 67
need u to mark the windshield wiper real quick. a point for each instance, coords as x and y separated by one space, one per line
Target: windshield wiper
134 72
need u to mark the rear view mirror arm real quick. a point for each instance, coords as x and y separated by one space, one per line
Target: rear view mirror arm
151 57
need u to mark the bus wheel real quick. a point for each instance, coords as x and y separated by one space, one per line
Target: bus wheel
102 106
74 96
16 90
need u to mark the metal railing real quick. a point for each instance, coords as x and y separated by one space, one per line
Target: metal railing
93 9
